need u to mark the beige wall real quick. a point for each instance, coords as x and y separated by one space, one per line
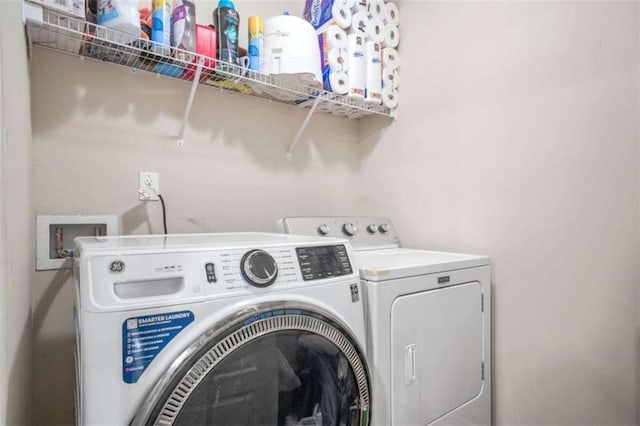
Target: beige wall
16 218
518 138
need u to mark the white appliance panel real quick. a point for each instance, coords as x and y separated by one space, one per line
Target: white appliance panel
437 352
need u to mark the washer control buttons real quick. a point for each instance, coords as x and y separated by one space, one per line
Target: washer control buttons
372 228
384 228
210 270
324 229
259 268
350 229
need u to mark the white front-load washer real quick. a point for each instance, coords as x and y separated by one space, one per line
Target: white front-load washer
226 329
428 324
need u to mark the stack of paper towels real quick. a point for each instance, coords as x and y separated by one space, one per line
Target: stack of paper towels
358 47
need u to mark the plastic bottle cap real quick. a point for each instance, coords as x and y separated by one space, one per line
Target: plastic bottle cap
226 3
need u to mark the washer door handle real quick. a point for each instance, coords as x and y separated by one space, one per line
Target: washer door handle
410 365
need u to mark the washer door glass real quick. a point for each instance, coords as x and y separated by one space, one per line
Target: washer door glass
297 368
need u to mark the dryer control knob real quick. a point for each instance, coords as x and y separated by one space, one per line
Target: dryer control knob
384 228
373 228
259 268
350 229
324 229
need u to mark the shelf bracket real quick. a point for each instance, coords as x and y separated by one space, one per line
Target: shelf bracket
192 95
29 45
304 125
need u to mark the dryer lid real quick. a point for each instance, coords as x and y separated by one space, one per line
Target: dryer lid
389 264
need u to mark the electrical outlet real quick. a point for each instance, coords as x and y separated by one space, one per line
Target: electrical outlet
148 186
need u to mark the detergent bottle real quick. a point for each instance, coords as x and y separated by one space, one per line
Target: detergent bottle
183 28
121 15
226 20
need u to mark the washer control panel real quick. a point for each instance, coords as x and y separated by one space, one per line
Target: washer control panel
323 262
120 273
255 270
362 231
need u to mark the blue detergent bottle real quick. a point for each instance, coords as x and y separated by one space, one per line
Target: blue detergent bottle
226 20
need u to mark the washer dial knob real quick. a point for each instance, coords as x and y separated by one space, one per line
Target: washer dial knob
259 268
324 229
384 228
350 229
372 228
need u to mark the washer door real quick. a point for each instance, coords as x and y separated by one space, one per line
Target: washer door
277 365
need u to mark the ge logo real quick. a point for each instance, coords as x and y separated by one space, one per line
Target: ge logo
116 266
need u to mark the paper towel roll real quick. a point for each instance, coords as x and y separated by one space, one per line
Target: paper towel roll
359 24
376 9
337 60
341 14
373 84
376 30
335 37
391 36
357 64
391 14
390 97
390 58
339 82
360 6
390 77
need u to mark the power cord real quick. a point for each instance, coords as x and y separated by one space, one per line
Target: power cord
164 214
146 195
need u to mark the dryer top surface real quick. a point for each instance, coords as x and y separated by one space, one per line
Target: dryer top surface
387 264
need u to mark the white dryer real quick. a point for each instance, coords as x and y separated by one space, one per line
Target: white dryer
429 324
228 329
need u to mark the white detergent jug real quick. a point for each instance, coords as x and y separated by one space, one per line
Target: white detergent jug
120 15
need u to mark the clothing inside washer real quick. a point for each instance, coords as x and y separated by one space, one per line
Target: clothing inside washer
285 378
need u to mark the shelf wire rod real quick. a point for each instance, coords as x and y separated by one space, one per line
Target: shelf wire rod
192 95
304 125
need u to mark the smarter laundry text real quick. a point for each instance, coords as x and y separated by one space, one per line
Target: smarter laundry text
143 338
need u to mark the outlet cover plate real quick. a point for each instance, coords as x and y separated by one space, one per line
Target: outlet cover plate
44 224
148 182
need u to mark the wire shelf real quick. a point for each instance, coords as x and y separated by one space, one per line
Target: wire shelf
77 37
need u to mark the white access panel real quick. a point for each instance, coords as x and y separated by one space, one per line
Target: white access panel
437 353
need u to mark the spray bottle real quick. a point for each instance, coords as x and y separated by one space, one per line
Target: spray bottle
161 26
256 43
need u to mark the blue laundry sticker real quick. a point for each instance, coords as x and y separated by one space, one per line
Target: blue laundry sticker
143 338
